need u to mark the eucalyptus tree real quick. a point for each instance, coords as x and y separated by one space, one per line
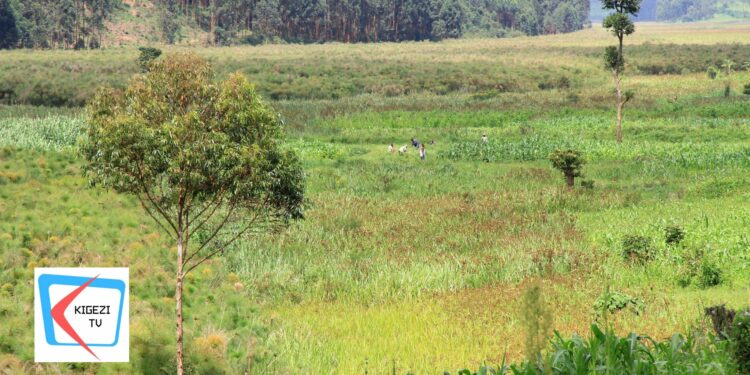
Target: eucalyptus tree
620 24
204 159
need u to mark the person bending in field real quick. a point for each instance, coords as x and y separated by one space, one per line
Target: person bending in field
421 152
415 142
402 150
390 148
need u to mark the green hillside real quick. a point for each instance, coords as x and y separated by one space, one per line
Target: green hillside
418 266
84 24
683 10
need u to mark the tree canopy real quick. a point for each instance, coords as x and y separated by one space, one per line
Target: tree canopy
55 23
193 151
204 159
81 23
255 21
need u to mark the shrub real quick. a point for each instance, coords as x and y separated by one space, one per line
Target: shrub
636 248
740 338
148 54
709 275
588 184
746 89
612 302
673 235
712 72
561 82
546 85
722 320
570 162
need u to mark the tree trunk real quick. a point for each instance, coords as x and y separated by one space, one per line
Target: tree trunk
178 308
620 104
569 180
212 33
618 86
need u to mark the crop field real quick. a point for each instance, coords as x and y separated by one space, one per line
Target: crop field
403 265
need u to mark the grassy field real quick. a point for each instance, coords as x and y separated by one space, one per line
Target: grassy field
333 71
407 265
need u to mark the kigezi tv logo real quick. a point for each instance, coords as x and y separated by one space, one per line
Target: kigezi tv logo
81 315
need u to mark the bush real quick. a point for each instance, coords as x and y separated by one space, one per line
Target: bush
561 82
147 55
588 184
722 320
673 235
740 338
710 275
712 72
636 248
746 89
612 302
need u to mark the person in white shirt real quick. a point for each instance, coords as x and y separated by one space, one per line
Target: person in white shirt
390 148
402 150
484 138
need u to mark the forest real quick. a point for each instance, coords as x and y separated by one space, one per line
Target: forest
82 24
76 24
682 10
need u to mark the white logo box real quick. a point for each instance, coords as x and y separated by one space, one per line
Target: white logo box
81 315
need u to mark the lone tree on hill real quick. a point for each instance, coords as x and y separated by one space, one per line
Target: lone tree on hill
620 24
570 163
204 159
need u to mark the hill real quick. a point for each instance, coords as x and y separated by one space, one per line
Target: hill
682 10
408 265
78 24
488 66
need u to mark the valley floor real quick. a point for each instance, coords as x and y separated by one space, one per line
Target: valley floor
414 265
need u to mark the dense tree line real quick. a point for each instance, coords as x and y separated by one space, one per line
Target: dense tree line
677 10
53 23
80 23
692 10
686 10
253 21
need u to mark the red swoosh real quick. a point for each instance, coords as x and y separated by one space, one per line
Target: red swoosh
58 314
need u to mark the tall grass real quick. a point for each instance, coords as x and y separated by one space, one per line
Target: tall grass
408 264
49 133
486 67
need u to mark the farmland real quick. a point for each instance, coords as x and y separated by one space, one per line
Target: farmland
400 264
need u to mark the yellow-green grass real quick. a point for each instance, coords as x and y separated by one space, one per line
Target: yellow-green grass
417 266
515 66
467 328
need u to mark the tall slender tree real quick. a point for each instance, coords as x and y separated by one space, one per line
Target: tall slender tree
620 24
204 159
